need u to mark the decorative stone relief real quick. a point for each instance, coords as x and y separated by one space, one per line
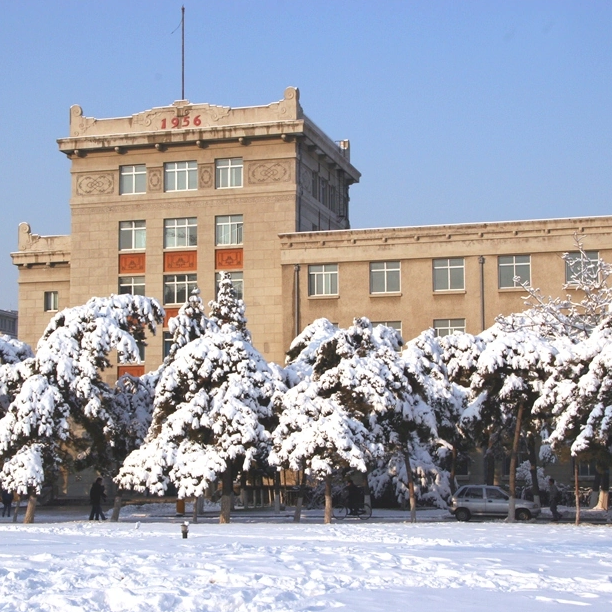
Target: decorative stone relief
206 174
183 261
228 259
95 184
270 172
170 312
132 262
154 177
306 179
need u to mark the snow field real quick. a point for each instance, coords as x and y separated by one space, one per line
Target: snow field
257 567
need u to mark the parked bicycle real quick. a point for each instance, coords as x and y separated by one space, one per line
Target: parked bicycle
341 511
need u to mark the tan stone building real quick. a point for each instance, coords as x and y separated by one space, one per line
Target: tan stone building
168 198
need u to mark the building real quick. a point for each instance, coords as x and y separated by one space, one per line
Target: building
169 198
8 323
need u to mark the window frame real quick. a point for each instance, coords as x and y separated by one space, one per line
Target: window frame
173 171
450 327
447 267
225 174
133 231
328 277
236 229
51 301
134 282
385 272
514 264
570 277
180 283
136 170
190 229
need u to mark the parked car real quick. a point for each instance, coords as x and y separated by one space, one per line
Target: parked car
484 500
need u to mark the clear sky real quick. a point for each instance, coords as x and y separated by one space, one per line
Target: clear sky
457 111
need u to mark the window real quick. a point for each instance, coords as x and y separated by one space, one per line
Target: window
587 469
180 176
178 287
134 285
51 301
132 179
228 230
577 268
511 266
385 277
229 173
182 232
396 325
237 282
444 327
449 274
132 235
323 279
167 343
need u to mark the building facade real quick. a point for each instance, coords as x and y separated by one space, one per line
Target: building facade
167 199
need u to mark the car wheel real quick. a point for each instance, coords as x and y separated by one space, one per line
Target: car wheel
462 514
523 515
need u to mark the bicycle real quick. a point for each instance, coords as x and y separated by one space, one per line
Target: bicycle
341 511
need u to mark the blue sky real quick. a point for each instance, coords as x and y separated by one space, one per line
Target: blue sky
457 111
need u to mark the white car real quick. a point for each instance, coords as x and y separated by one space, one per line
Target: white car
485 500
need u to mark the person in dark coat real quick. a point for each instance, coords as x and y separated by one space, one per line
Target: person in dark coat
7 500
553 494
353 497
96 496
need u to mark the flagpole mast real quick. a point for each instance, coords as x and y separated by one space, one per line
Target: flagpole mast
183 53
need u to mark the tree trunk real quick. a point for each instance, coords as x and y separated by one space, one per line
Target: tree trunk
328 499
226 494
577 492
489 463
196 501
513 462
117 506
244 494
31 509
533 468
410 487
276 492
453 470
300 500
17 507
604 494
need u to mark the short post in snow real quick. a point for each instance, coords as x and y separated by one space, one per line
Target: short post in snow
185 529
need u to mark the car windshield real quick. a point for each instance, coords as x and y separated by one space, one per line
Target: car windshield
494 493
474 492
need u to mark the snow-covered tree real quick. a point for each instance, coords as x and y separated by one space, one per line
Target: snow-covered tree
227 309
211 407
332 418
190 323
12 352
61 394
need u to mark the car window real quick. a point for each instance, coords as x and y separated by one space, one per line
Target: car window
461 492
493 493
474 493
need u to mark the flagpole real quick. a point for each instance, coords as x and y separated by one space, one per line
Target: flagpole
183 53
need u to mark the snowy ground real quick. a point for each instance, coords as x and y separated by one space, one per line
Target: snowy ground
263 563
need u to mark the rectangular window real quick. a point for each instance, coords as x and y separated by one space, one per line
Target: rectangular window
51 301
228 173
385 277
180 176
444 327
228 230
237 282
134 285
578 268
587 469
132 179
449 274
132 235
182 232
323 279
167 343
511 266
178 288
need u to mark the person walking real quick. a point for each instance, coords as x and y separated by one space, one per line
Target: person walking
96 495
7 501
553 494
